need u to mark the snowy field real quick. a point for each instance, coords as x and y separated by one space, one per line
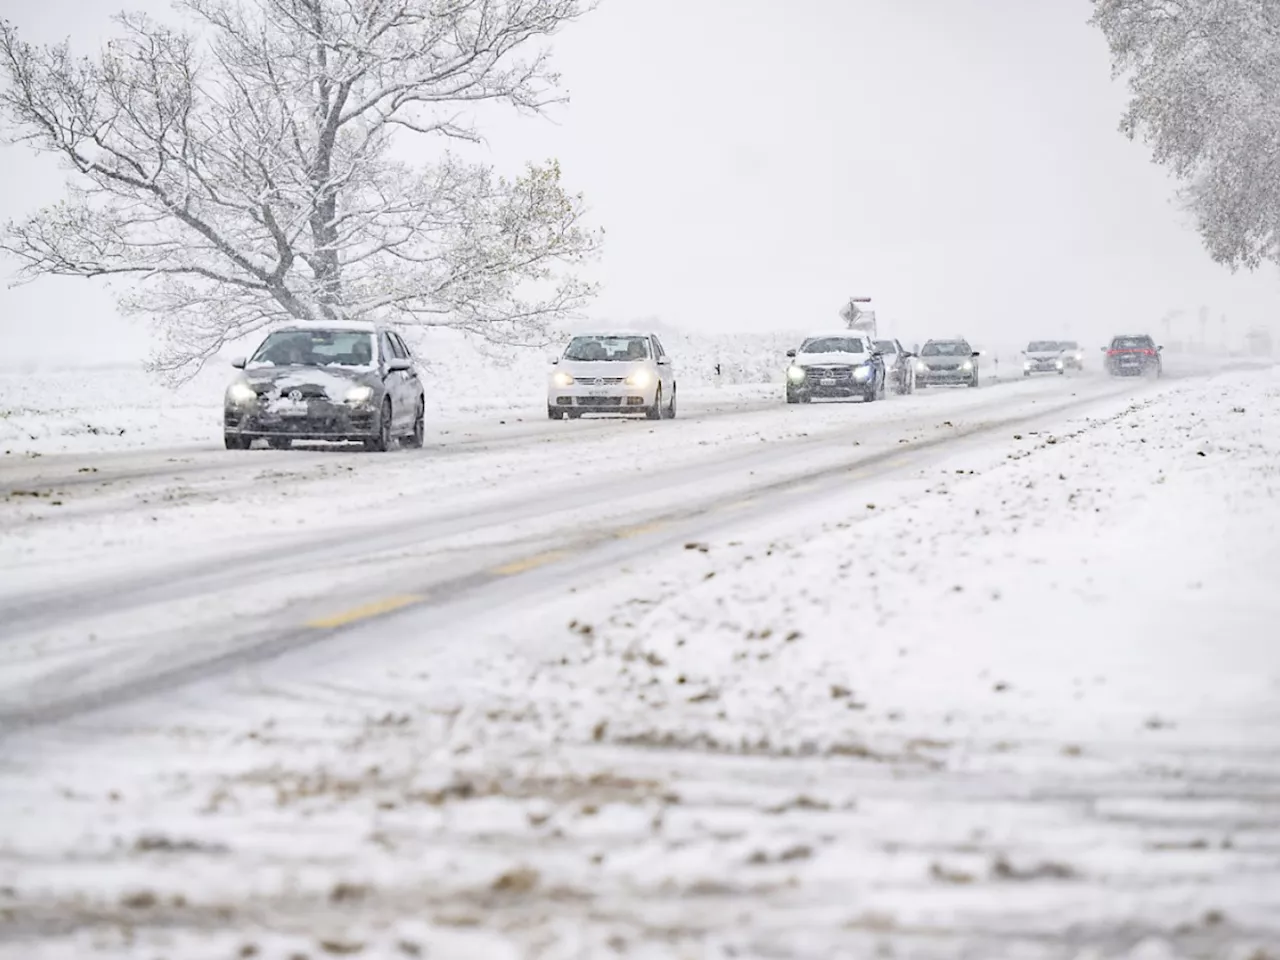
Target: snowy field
973 674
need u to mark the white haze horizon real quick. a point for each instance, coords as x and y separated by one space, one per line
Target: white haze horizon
959 163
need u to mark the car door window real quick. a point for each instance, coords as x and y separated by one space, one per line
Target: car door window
399 347
658 352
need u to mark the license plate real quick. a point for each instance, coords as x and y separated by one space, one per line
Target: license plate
827 381
292 408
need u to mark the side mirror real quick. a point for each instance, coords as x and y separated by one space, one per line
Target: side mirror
398 365
664 362
791 353
1103 349
554 360
976 353
240 362
1158 349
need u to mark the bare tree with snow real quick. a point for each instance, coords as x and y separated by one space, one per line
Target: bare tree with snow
242 169
1205 82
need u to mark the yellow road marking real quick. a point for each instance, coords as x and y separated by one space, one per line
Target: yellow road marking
805 487
529 563
641 530
739 505
368 610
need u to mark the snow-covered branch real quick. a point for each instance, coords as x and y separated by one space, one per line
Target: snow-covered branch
240 170
1205 82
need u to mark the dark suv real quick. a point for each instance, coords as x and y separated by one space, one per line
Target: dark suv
1134 356
351 382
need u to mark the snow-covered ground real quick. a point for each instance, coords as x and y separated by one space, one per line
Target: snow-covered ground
1009 692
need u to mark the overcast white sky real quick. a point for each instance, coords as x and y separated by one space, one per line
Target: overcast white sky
757 162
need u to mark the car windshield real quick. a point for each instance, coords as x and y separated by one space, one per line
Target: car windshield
833 345
316 348
1131 343
607 348
886 346
946 348
1043 346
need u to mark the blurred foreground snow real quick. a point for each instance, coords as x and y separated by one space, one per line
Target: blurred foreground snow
1024 703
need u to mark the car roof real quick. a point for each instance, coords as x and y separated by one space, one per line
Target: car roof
947 340
1132 336
845 334
612 333
343 326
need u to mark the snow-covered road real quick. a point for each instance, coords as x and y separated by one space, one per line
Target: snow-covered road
971 673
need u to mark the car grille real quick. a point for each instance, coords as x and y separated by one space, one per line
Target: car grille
600 401
598 381
828 373
308 392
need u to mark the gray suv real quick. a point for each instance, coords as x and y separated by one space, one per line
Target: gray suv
352 382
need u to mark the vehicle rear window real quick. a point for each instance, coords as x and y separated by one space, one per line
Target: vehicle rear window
1132 343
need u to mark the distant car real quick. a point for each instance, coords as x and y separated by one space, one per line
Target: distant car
1072 355
1134 356
350 382
899 369
836 365
1043 356
619 373
947 361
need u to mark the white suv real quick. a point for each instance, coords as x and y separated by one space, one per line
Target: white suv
612 373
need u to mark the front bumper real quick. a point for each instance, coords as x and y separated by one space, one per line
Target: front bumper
608 398
323 420
1044 368
948 375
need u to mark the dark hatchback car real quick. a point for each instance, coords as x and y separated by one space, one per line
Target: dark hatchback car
1134 356
349 382
947 361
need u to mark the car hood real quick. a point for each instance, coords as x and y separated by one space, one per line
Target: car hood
828 359
1044 354
945 361
332 382
601 369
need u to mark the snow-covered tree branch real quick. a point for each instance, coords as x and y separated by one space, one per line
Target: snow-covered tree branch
241 170
1205 82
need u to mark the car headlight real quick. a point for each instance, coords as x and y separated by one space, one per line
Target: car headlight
359 395
922 367
862 373
241 393
1026 365
641 378
795 374
1059 364
967 365
561 379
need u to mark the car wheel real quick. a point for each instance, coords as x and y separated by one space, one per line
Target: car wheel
418 438
382 442
792 398
655 412
974 381
234 441
671 407
883 388
553 413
